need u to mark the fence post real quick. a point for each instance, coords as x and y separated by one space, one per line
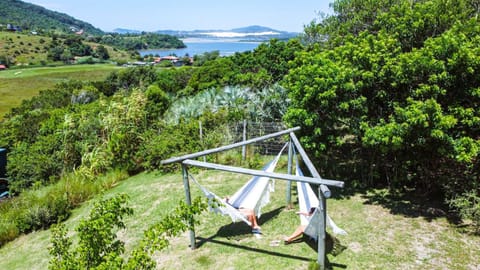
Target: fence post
188 200
244 137
201 138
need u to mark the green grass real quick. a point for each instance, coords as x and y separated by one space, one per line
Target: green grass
377 238
19 84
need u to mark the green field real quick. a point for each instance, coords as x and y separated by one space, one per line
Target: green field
19 84
379 236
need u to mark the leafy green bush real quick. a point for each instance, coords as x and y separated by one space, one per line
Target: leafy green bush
8 227
127 79
468 205
39 212
41 207
37 162
165 64
171 140
173 80
388 97
157 103
87 60
98 246
90 133
97 242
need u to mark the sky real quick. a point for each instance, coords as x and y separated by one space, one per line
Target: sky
152 15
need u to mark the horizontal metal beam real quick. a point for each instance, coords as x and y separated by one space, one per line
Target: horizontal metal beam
281 176
228 147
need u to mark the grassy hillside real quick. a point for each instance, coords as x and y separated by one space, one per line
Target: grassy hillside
36 18
379 237
19 84
27 49
24 49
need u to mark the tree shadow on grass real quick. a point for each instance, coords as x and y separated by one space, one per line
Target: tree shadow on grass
411 204
408 203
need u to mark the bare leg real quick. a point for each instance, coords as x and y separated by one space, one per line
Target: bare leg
298 231
250 214
254 222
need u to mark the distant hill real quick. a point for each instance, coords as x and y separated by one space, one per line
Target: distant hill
254 29
126 31
36 18
249 33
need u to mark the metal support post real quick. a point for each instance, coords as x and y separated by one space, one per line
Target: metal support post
322 230
289 171
188 200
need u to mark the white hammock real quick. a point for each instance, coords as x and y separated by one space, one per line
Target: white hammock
255 194
306 200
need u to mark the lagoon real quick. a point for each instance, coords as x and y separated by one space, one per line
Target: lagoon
200 46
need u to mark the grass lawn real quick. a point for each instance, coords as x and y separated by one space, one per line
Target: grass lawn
19 84
378 238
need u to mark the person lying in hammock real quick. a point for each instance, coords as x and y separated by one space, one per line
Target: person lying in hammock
249 214
300 229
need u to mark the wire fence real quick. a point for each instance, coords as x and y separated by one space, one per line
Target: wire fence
246 130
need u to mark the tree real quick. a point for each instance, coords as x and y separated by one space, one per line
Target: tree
266 65
102 52
7 60
55 53
66 56
215 73
390 94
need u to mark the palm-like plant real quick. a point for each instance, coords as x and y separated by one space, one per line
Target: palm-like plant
266 105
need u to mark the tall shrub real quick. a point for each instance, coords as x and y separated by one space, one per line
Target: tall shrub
388 97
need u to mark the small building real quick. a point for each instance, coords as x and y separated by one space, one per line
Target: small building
169 58
13 28
139 63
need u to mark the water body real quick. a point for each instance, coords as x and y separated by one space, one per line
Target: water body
200 46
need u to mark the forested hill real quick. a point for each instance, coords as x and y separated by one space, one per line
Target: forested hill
36 18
